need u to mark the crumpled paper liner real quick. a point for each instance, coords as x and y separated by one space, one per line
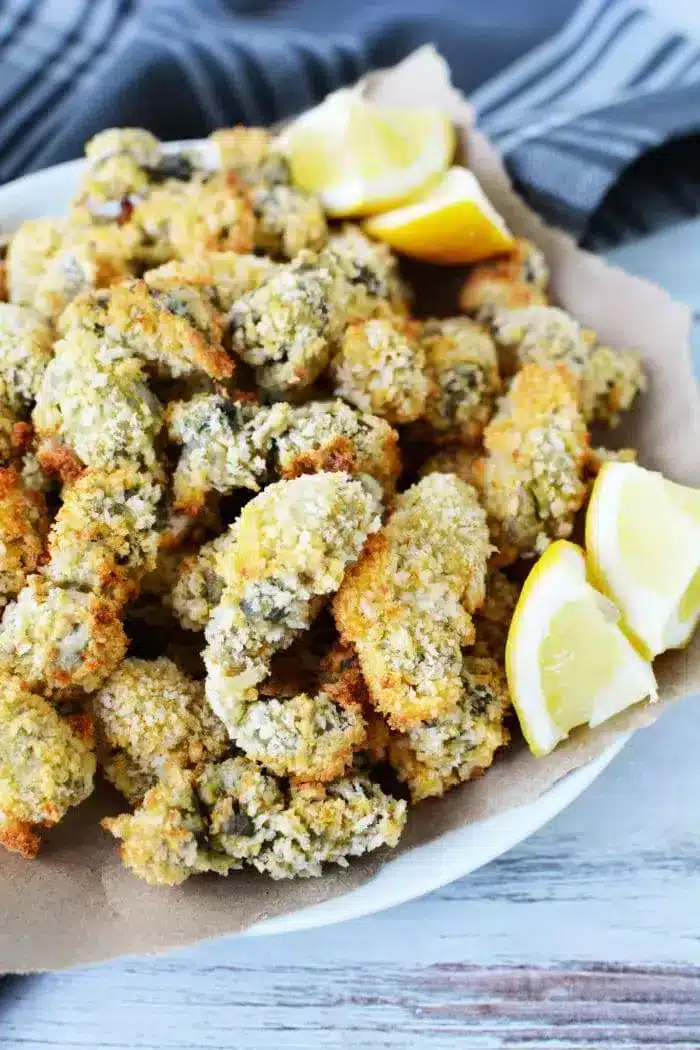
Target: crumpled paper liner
78 904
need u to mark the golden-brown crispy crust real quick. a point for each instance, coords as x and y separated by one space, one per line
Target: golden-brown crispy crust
19 837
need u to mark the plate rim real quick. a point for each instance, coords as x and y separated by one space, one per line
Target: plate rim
415 873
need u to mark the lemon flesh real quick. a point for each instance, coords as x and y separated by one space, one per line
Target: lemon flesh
568 663
453 223
643 544
361 158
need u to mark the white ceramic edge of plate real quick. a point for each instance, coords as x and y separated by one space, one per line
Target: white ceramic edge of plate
424 868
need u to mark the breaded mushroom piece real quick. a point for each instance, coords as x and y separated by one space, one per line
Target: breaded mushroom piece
234 814
462 366
493 619
23 530
610 383
233 444
226 445
435 756
47 765
286 328
511 281
94 406
31 246
536 450
608 380
105 535
366 273
292 545
119 162
173 326
380 368
193 822
204 212
222 276
148 714
58 639
287 221
251 152
199 583
26 347
327 824
406 604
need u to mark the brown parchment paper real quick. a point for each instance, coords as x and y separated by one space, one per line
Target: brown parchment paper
78 904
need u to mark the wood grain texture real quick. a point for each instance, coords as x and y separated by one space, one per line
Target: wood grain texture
587 935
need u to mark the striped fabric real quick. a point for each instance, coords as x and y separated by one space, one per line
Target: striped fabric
579 96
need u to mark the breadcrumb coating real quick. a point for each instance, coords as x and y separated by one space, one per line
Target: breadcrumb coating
147 714
366 273
118 164
285 328
26 347
56 639
94 400
462 366
222 276
47 765
536 451
516 280
492 620
23 529
234 444
380 368
173 326
105 536
435 756
245 149
405 605
293 544
199 583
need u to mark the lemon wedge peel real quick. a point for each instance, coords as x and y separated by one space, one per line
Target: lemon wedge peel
643 552
360 158
551 700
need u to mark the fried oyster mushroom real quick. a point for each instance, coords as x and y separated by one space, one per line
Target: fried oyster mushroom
25 351
462 366
286 328
47 765
290 550
380 368
94 408
537 447
366 274
106 533
607 380
23 530
233 814
148 714
60 639
511 281
406 604
235 444
435 756
199 583
173 326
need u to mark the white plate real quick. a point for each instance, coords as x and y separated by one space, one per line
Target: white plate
420 870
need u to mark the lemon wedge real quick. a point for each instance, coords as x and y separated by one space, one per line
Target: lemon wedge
361 158
567 661
643 551
454 222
